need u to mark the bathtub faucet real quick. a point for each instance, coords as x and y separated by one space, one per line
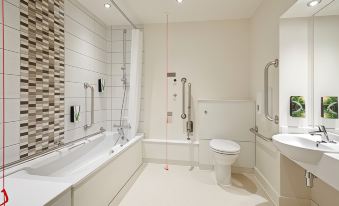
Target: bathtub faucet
121 133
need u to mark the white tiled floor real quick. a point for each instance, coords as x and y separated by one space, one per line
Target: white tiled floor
181 187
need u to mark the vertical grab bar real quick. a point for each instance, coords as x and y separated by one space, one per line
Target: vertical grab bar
274 63
183 114
87 85
189 123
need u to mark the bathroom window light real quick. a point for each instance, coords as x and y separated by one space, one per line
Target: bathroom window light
107 6
313 3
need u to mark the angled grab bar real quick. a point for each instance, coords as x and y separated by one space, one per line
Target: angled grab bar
274 63
255 131
87 85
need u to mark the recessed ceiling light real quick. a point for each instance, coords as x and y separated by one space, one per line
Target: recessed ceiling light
180 1
313 3
107 6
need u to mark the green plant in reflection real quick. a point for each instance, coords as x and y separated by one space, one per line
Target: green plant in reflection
329 107
297 106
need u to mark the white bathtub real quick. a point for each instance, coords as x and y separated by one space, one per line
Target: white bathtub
95 168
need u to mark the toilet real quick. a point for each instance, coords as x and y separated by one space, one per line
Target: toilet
225 153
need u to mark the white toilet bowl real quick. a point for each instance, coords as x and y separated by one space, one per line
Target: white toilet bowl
225 153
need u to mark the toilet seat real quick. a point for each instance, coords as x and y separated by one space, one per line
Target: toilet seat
223 146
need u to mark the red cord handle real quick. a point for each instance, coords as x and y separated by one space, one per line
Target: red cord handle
5 197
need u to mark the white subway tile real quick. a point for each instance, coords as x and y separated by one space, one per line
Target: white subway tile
12 133
12 15
12 153
12 110
12 62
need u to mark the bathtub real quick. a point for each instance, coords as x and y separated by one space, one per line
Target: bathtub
95 167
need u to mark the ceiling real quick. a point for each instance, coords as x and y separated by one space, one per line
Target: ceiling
154 11
300 9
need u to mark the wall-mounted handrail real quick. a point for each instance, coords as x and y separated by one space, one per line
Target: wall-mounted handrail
274 63
87 85
183 81
49 151
189 123
255 131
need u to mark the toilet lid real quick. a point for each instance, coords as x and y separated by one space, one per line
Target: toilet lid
225 146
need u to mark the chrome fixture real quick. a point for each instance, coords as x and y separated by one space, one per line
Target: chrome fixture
189 123
324 136
309 177
77 145
121 127
256 132
87 85
183 81
123 14
49 151
313 3
274 63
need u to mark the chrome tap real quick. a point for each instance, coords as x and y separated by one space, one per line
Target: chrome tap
121 133
324 135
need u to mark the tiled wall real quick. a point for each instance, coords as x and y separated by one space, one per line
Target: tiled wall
42 74
115 56
12 80
85 61
92 51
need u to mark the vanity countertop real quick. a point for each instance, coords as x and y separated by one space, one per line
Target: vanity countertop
25 192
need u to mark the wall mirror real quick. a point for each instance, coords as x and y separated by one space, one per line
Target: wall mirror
309 51
326 66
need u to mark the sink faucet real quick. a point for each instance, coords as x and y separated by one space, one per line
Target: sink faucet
323 133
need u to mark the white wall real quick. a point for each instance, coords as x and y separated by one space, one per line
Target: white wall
264 41
213 56
85 61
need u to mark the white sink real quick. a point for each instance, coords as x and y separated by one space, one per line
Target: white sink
303 147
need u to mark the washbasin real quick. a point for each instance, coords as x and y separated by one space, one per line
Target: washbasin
303 147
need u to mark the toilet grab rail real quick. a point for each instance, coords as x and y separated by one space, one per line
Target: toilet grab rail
87 85
255 131
274 63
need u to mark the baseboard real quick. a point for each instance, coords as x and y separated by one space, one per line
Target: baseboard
121 194
267 187
293 201
172 162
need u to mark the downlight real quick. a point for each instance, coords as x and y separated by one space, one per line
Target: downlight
107 6
180 1
313 3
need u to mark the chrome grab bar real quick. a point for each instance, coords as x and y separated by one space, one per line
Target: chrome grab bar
274 63
48 151
255 131
75 146
122 126
183 81
87 85
189 124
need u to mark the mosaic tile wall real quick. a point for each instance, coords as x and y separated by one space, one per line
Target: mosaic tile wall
42 72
